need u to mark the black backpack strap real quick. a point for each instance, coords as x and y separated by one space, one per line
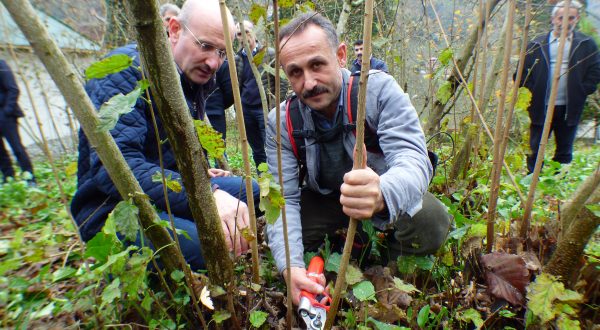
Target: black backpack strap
371 138
294 124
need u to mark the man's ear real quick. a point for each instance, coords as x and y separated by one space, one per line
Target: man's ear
341 54
175 28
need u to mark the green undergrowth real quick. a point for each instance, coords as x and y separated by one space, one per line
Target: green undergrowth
48 280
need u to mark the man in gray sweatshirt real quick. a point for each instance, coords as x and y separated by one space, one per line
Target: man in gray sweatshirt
391 190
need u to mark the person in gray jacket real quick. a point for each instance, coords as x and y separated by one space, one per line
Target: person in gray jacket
391 190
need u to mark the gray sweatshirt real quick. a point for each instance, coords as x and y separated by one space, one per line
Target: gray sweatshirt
404 166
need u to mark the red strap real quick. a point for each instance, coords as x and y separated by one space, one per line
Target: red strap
290 128
349 101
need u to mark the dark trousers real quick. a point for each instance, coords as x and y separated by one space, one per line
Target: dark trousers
564 135
322 216
190 247
255 131
9 131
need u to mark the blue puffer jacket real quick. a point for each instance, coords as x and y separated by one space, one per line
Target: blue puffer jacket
96 194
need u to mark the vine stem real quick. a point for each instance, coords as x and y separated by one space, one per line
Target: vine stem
498 154
241 126
290 307
359 160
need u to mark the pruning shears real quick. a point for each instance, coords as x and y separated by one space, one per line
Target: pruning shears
313 308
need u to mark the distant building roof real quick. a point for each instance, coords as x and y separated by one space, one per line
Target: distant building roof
63 35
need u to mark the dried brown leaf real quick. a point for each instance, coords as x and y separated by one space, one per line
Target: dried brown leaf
387 293
506 276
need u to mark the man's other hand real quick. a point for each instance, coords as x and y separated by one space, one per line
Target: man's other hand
302 282
361 195
217 172
234 217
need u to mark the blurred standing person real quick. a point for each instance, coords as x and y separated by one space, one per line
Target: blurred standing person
579 77
167 11
9 128
376 64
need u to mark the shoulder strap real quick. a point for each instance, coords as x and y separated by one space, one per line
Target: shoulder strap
371 139
294 124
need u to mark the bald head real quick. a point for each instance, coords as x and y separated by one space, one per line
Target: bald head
197 39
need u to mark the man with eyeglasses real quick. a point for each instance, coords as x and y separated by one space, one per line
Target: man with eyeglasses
579 77
222 97
197 42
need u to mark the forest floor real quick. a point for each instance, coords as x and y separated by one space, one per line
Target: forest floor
47 281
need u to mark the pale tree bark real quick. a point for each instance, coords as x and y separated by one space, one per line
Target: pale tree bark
343 20
67 80
359 159
157 61
436 114
569 249
583 193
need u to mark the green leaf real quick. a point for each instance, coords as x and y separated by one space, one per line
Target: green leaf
258 318
410 263
446 56
287 3
564 322
271 71
332 264
271 200
263 167
306 7
595 209
364 291
111 292
220 316
109 65
444 93
380 42
506 313
256 12
405 287
46 311
545 292
63 273
384 326
471 315
147 302
258 58
173 185
353 275
523 99
126 218
477 230
423 316
101 246
115 107
211 140
177 275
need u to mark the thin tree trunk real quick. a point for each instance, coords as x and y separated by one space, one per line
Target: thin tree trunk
498 154
359 160
569 250
67 80
157 60
436 114
343 20
242 130
583 193
286 242
524 229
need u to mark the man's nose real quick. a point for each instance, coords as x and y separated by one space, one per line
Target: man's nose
213 61
309 82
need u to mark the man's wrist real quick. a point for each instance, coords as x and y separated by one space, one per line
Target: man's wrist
214 187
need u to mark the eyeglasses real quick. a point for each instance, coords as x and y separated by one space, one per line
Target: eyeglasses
239 34
207 47
571 18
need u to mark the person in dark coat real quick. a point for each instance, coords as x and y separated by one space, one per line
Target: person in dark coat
222 97
10 112
376 64
197 42
580 75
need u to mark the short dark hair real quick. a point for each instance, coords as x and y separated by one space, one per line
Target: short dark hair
358 42
300 23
